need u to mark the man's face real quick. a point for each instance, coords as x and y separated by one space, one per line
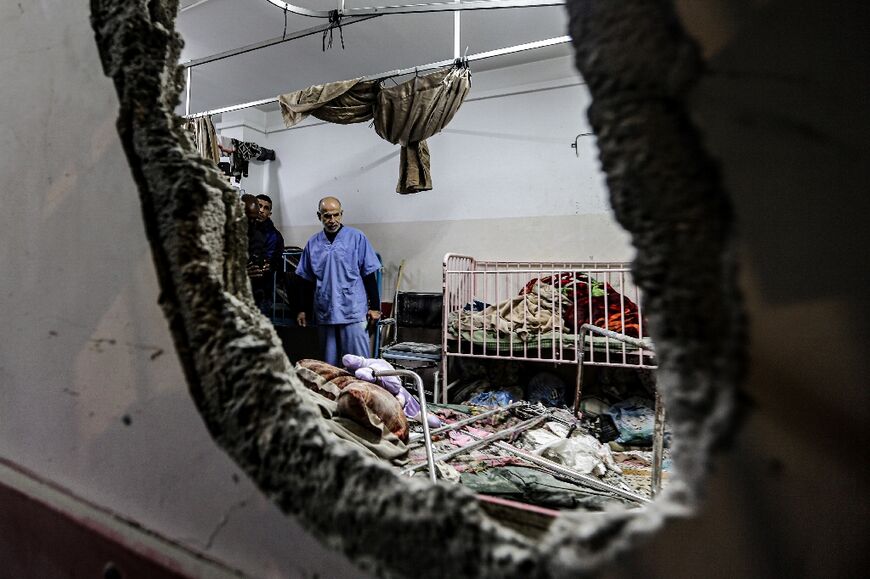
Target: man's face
264 210
330 216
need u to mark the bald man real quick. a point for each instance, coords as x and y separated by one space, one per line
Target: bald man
341 264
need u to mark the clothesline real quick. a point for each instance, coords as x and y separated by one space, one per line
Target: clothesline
401 72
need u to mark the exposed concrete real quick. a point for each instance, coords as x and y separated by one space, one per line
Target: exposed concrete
638 64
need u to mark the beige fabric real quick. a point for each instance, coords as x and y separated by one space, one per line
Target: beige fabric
344 102
413 111
419 108
414 175
406 114
204 138
525 315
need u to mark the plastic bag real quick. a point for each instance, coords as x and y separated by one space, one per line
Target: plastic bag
635 419
580 452
492 398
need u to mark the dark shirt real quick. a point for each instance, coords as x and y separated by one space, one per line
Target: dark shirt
265 245
264 241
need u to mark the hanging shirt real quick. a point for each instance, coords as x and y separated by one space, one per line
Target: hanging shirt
337 270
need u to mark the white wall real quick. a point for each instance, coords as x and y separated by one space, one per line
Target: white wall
84 343
507 184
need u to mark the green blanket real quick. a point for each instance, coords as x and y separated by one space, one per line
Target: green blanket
547 341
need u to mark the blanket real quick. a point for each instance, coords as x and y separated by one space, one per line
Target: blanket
360 401
529 314
578 289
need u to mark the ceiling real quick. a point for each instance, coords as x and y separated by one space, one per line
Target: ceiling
385 43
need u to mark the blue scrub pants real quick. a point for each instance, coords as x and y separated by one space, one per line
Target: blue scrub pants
336 340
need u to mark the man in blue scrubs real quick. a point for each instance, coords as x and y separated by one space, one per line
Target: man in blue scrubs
341 264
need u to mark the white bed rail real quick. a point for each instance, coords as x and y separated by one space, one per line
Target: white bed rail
535 311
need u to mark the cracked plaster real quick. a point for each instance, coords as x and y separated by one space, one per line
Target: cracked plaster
665 191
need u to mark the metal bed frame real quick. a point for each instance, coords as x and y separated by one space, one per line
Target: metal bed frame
466 279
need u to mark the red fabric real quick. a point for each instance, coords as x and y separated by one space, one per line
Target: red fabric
575 286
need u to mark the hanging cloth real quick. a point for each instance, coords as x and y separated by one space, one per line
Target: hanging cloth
343 103
406 114
204 138
410 113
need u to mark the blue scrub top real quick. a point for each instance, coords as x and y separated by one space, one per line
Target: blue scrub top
338 269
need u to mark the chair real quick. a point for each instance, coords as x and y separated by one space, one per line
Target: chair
413 313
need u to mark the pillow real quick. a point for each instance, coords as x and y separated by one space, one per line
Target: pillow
368 404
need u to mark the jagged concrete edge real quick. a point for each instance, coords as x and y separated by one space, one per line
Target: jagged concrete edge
237 372
665 190
250 399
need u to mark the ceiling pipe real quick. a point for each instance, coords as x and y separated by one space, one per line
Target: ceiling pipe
194 5
414 8
272 41
401 72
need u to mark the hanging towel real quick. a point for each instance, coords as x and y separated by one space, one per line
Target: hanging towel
204 138
414 175
410 113
344 102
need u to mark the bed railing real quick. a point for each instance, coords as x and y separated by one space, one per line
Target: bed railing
535 311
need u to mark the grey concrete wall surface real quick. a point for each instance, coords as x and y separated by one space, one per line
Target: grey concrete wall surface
93 396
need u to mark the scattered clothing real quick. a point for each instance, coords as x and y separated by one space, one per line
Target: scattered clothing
241 153
521 317
546 388
578 289
495 398
635 420
533 486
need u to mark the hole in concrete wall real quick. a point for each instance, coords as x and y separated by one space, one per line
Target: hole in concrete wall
665 192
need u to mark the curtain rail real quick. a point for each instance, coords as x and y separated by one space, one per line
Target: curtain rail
414 8
401 72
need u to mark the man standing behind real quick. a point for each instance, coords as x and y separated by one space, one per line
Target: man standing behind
265 246
341 264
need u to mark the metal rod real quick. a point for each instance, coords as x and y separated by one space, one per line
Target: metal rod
619 337
466 421
187 95
194 5
445 316
401 72
413 8
457 29
658 445
424 415
481 442
578 386
565 471
271 42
